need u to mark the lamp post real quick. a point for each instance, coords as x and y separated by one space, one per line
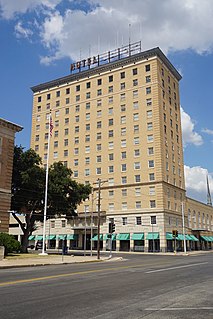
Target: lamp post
183 224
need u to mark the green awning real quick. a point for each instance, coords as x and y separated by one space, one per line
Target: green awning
38 237
72 236
51 237
188 237
125 236
62 237
106 236
32 237
95 237
138 236
180 237
205 238
193 238
211 238
169 236
151 236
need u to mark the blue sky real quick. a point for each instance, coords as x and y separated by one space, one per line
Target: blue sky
40 38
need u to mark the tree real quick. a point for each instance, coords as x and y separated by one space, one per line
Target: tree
10 243
28 188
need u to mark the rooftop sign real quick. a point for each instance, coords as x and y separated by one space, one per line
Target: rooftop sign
107 57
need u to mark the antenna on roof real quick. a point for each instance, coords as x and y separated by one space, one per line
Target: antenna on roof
209 199
129 39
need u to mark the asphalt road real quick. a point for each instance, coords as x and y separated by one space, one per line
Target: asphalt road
141 286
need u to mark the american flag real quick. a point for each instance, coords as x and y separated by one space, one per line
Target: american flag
51 125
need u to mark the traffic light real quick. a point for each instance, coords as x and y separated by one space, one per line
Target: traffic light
111 228
174 233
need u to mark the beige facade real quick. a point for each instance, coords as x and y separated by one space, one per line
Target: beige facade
120 122
7 137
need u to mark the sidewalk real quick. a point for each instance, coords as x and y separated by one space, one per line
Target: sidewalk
37 260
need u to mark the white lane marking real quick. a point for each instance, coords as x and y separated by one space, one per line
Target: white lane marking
175 309
177 267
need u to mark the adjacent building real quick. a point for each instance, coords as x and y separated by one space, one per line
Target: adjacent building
116 118
7 137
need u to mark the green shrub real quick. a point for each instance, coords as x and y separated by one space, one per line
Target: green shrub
10 243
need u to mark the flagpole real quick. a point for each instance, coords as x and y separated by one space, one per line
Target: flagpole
46 188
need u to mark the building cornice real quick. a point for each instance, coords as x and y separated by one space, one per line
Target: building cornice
145 55
10 125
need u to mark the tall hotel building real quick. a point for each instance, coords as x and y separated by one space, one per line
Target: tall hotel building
119 121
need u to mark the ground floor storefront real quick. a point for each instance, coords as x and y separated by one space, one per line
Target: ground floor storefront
138 242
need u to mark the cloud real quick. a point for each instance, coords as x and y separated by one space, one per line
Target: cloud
20 31
9 8
188 133
106 26
195 180
207 131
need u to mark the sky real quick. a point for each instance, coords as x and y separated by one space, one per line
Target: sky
40 38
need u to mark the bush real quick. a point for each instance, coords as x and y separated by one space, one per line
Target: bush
10 243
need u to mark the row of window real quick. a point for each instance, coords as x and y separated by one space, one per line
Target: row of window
99 82
138 205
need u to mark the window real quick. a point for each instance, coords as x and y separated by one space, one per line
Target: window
136 141
98 136
135 82
123 155
149 114
63 223
123 131
39 108
56 123
123 167
48 96
56 133
99 103
135 105
45 136
138 205
57 103
99 113
110 145
153 220
76 129
65 153
87 138
110 89
87 105
152 190
111 78
111 207
67 110
124 205
110 122
123 143
77 108
122 96
123 119
151 176
124 220
111 157
77 88
110 133
37 137
137 153
36 149
134 71
147 67
111 169
111 193
111 181
123 180
99 124
87 172
137 165
98 147
52 224
88 95
152 204
87 116
67 101
76 151
110 100
98 170
137 191
137 178
148 90
135 93
136 128
87 149
68 91
75 174
123 108
76 162
38 118
87 160
48 106
135 117
99 92
87 127
99 81
138 220
39 99
124 192
66 121
122 75
77 118
55 144
98 159
150 138
123 86
148 78
88 85
148 102
110 111
77 98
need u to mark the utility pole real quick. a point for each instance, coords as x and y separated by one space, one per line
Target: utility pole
91 222
99 182
183 224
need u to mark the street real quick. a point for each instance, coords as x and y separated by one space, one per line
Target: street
139 286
